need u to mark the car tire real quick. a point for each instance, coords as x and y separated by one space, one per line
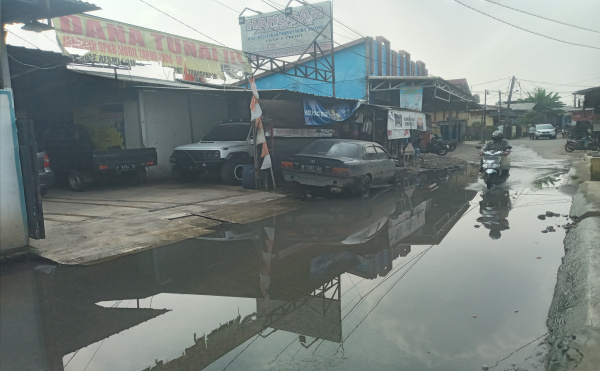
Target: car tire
75 180
232 171
554 137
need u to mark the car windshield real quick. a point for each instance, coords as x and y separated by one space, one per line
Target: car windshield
544 126
228 132
331 149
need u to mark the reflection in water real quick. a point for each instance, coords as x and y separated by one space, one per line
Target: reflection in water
494 208
186 305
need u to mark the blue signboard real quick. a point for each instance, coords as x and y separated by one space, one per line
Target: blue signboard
317 114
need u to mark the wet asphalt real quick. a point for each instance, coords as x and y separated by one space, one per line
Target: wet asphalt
436 274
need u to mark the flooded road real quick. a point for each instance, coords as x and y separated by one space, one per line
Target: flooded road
438 274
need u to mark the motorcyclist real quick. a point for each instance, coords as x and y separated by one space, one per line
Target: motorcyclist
498 143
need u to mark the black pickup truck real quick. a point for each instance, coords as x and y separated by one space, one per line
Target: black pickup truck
75 160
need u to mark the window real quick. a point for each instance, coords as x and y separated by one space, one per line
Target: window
382 153
370 153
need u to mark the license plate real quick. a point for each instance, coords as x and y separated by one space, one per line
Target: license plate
126 167
314 168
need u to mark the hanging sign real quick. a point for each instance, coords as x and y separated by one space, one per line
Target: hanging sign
317 114
276 34
400 123
116 43
411 97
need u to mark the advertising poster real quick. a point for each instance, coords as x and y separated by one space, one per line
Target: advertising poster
276 34
317 114
117 43
400 123
411 97
105 125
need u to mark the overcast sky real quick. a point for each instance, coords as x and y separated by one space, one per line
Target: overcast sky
452 39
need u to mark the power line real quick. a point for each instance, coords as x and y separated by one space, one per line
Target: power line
27 41
539 16
488 82
526 30
185 24
227 6
557 84
31 65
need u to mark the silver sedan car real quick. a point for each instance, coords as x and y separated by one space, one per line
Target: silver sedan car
342 164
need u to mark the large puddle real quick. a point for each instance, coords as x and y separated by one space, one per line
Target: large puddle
437 275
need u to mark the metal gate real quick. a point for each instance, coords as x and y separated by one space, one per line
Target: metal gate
31 185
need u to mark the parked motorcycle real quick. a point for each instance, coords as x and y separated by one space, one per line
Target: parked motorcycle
435 146
495 167
585 143
451 143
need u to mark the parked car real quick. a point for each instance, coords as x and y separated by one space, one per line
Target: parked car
342 164
71 150
545 131
45 174
223 151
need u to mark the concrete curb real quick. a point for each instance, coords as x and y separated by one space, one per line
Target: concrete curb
574 316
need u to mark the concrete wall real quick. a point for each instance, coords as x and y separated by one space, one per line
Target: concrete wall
133 130
207 111
350 75
13 224
165 125
169 120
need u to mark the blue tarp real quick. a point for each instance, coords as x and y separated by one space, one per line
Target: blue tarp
317 114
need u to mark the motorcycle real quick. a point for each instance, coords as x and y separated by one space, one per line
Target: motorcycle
585 143
495 170
435 146
451 143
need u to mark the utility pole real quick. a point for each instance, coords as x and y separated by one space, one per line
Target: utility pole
483 117
500 109
512 84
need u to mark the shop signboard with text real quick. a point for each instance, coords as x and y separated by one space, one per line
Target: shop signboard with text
400 123
276 34
316 113
111 42
411 97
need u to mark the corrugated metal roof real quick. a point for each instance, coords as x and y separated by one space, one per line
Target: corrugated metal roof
22 11
520 106
132 79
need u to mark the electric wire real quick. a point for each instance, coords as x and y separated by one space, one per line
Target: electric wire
31 65
539 16
524 29
183 23
27 41
488 82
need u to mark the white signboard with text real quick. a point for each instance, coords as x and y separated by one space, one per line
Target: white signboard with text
400 123
275 34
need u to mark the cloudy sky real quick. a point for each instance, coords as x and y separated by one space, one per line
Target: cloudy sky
455 38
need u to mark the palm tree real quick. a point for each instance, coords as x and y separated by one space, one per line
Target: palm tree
548 104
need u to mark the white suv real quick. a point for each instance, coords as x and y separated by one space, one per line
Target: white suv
545 131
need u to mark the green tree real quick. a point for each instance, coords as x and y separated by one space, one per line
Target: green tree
547 104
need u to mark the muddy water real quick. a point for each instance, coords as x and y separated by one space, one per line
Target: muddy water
439 274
